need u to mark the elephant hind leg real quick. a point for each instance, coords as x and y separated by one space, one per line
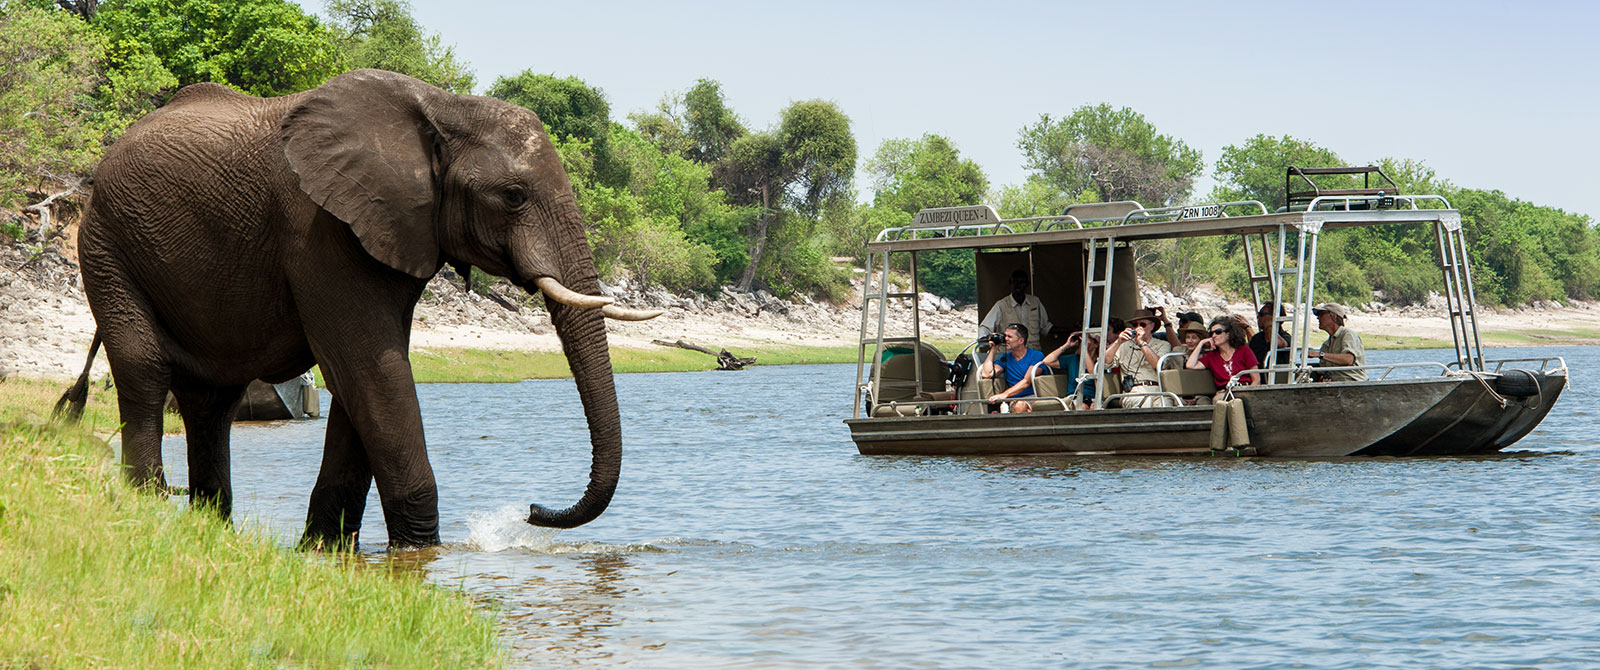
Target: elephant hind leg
333 519
207 420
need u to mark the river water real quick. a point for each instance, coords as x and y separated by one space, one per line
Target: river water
748 532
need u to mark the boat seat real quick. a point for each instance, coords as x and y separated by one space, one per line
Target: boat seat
900 375
1187 383
1047 388
896 410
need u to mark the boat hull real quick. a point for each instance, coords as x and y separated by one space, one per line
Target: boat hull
1420 417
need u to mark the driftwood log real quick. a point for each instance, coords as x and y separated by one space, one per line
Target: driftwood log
725 360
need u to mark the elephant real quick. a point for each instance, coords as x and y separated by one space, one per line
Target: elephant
229 238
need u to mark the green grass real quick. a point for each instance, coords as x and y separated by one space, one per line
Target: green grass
96 574
31 400
478 365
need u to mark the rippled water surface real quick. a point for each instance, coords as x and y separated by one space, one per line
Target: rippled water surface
748 532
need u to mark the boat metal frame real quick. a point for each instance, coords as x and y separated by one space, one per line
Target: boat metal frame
1280 251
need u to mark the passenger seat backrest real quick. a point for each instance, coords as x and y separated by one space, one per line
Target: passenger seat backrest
899 379
1188 382
900 375
1047 386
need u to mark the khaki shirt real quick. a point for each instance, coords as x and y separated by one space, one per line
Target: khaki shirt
1133 362
1344 341
1028 313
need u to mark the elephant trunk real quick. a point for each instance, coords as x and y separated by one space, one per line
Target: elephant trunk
583 340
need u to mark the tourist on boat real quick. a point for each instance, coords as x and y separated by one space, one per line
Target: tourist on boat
1069 357
1174 335
1226 353
1258 341
1343 347
1136 351
1013 366
1019 307
1192 335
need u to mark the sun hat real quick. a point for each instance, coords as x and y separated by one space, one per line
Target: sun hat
1143 315
1336 308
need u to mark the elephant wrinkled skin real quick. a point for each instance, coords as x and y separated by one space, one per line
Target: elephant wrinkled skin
231 238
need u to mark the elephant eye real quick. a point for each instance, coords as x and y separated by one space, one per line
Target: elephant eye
516 197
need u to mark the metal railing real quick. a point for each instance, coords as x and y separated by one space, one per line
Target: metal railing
1302 373
948 231
1170 396
1544 364
1346 200
1208 210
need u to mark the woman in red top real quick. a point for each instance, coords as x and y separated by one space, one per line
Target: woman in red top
1225 353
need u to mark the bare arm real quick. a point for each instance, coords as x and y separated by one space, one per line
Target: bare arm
1053 359
1015 389
1150 356
1339 359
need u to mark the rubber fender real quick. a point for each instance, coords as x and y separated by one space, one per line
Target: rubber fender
1519 383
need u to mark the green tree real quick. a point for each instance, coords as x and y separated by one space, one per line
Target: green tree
1115 153
696 124
570 109
50 73
1255 169
711 127
1033 197
261 47
910 175
382 34
797 168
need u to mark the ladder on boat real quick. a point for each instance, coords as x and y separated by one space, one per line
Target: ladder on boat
875 297
1271 279
1097 284
1460 302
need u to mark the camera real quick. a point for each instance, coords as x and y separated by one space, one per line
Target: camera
994 338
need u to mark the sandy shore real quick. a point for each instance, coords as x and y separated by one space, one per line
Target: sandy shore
45 324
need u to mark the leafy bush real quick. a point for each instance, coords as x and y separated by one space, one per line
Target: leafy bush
951 273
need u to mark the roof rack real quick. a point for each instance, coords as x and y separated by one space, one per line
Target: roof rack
1306 199
975 220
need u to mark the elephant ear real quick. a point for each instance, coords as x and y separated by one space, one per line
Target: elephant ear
366 151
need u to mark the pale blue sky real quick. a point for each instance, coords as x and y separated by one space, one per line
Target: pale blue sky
1489 94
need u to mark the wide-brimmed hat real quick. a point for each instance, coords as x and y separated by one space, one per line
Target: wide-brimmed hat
1336 308
1198 330
1143 315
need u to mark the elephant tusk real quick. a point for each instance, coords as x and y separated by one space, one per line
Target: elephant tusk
566 296
625 314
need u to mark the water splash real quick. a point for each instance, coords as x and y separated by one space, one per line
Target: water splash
508 528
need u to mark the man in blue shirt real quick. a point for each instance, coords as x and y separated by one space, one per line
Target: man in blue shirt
1013 367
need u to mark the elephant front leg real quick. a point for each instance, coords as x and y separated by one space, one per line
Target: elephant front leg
339 500
374 436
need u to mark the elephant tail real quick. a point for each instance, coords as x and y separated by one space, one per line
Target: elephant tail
70 406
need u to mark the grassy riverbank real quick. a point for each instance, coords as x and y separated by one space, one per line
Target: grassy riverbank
95 574
486 365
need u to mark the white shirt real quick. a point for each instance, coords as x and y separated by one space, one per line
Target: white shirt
1007 311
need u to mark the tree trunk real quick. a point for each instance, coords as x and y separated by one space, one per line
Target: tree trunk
758 240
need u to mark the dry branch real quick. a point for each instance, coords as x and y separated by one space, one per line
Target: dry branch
725 360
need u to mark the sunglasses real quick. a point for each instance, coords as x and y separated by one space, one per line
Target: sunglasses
1218 332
